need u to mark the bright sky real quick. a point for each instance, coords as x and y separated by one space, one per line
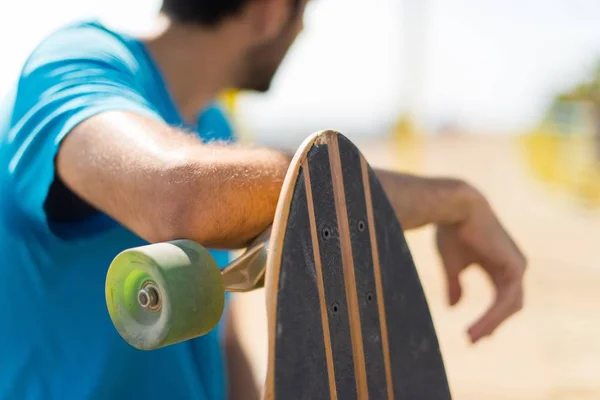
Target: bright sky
491 65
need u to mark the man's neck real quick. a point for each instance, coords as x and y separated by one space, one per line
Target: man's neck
196 63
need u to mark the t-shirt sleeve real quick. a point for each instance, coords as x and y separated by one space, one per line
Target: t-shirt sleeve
68 79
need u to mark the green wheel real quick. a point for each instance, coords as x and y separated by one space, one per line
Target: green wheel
164 293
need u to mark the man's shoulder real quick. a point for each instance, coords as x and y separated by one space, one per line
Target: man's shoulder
84 41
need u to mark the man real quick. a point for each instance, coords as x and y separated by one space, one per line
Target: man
96 156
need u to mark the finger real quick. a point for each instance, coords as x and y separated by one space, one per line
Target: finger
508 301
453 263
504 306
454 287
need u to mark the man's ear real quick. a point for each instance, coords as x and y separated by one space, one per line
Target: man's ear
269 17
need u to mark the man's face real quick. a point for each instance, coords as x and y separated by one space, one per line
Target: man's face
262 60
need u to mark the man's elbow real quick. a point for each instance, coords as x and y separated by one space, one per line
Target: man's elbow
207 221
171 210
179 217
204 207
185 211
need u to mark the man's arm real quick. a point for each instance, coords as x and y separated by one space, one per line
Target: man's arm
164 184
421 201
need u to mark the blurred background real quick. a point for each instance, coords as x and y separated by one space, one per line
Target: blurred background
502 93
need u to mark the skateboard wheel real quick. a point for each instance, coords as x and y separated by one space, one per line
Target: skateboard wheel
164 293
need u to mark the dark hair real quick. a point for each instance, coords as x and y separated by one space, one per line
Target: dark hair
204 12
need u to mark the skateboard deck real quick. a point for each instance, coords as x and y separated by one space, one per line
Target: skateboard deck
347 316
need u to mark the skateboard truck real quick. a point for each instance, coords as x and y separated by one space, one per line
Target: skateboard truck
247 272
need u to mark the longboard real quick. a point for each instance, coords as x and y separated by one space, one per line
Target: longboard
347 315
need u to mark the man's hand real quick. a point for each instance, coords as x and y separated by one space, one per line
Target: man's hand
480 239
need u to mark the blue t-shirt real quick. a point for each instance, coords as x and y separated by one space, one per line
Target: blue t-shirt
56 337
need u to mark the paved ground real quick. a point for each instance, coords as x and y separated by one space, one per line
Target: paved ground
551 350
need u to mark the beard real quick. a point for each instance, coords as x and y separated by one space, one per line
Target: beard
261 62
258 76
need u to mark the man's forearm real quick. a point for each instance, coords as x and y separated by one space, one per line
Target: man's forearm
165 185
420 201
247 200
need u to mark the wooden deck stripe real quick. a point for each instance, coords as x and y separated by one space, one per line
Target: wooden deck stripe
273 267
348 268
378 282
320 282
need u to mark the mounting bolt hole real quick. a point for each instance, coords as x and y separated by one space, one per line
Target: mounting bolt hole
369 297
326 233
361 226
335 308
